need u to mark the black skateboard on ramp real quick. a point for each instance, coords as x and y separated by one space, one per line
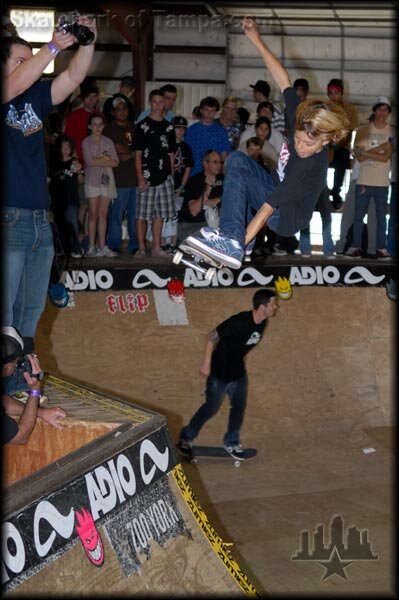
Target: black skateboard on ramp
216 452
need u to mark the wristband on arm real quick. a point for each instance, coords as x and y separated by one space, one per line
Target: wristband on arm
53 49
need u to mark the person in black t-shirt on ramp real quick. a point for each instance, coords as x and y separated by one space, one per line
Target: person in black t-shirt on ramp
285 198
224 367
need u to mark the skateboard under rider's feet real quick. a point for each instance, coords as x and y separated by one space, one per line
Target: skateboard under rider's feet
215 452
191 257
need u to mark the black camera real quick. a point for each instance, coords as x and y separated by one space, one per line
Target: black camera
24 366
83 34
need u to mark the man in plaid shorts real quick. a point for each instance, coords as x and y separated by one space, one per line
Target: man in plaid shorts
154 143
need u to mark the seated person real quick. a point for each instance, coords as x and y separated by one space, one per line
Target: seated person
274 137
253 147
14 432
268 152
292 191
202 190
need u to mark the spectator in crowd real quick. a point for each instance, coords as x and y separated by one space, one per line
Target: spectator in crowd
76 128
261 93
274 137
181 174
127 87
204 189
100 157
243 115
348 216
121 131
195 116
230 121
392 236
341 151
324 207
373 149
301 86
19 432
65 173
253 147
77 121
28 245
206 134
262 130
154 144
169 93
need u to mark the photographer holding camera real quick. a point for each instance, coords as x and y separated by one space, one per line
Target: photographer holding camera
28 240
11 354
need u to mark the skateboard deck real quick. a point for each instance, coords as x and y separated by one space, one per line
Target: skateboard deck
191 257
217 452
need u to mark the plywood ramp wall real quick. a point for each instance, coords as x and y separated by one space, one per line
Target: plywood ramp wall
326 356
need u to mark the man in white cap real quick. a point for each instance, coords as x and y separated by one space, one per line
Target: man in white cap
13 432
373 149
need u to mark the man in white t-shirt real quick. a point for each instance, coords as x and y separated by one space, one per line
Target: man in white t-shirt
373 149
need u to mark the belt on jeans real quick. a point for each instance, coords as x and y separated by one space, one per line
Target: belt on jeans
25 211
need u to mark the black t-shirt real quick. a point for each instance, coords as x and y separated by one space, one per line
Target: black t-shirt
194 189
183 159
304 178
156 140
9 427
237 336
63 186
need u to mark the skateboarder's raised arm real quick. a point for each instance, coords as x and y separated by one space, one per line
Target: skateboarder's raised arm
277 70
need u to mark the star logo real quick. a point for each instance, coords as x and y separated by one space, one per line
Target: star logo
344 547
334 565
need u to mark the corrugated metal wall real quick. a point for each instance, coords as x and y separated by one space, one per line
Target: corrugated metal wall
359 51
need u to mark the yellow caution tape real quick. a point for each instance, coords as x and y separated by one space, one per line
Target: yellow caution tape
218 546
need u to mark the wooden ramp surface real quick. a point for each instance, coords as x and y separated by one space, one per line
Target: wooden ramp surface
102 507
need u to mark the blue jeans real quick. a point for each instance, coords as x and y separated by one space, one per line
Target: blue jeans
393 220
363 195
324 206
214 395
28 252
246 187
125 201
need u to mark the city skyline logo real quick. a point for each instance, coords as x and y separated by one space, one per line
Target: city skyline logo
344 548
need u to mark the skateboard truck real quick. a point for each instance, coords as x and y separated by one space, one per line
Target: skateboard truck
195 259
216 452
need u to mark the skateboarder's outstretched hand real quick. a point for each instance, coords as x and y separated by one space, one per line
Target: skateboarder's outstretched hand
250 28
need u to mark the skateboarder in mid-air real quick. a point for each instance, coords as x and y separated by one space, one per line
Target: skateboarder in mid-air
224 367
285 198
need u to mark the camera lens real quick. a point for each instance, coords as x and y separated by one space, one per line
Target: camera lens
83 34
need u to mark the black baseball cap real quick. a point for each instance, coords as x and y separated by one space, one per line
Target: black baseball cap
12 345
179 122
261 86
